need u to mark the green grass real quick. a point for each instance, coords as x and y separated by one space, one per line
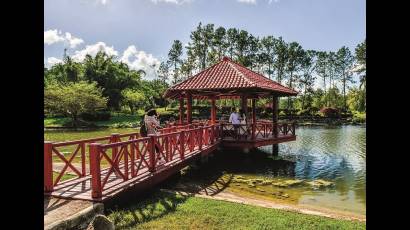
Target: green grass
64 177
118 120
171 211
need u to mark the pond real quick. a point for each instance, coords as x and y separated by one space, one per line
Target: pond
325 167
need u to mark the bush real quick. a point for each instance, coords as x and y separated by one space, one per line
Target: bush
359 117
97 116
330 112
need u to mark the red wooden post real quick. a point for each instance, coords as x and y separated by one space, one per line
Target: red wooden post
200 135
125 153
167 151
133 158
48 166
181 110
182 144
152 153
213 111
213 134
95 170
114 138
189 108
83 169
253 118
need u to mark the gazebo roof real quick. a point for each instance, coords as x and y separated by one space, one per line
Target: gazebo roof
228 79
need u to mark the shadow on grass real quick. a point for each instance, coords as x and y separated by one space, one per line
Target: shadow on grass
146 208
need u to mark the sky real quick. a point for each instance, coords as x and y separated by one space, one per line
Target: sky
140 32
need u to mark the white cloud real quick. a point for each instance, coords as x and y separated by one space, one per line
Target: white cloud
56 36
140 60
247 1
134 58
72 41
52 36
52 61
92 50
270 1
178 2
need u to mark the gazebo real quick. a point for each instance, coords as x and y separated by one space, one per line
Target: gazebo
229 80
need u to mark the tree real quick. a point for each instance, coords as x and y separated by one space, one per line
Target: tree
360 54
174 58
232 37
332 69
219 45
163 72
133 99
344 61
72 99
356 100
295 55
307 80
252 52
242 43
111 75
281 58
267 53
322 67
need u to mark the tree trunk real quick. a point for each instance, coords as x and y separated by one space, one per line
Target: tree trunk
344 91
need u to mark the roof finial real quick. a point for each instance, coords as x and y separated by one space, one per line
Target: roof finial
226 58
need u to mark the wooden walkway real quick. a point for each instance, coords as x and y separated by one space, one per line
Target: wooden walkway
121 162
81 188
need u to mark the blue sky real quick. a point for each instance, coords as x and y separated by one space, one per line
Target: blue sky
140 32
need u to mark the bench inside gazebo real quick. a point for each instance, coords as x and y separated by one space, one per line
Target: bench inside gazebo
229 80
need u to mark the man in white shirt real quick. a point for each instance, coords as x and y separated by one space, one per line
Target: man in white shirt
234 119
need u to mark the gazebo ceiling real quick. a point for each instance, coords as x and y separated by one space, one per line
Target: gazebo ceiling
227 79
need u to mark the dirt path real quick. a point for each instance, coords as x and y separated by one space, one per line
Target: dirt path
58 209
227 196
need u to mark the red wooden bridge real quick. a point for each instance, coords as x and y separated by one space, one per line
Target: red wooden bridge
109 165
105 166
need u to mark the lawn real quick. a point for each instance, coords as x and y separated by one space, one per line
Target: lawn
173 211
118 120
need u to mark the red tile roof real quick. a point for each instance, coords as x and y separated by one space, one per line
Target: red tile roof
227 74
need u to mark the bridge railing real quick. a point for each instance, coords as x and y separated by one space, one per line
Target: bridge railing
149 153
73 155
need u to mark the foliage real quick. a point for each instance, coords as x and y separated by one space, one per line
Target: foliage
134 99
72 99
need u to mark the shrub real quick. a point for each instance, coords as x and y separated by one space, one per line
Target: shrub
330 112
97 116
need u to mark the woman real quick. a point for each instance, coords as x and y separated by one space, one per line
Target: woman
152 122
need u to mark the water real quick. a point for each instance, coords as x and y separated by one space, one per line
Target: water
335 154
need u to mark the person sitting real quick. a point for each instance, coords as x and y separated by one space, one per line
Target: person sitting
234 120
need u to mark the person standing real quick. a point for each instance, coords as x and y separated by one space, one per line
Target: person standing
152 122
